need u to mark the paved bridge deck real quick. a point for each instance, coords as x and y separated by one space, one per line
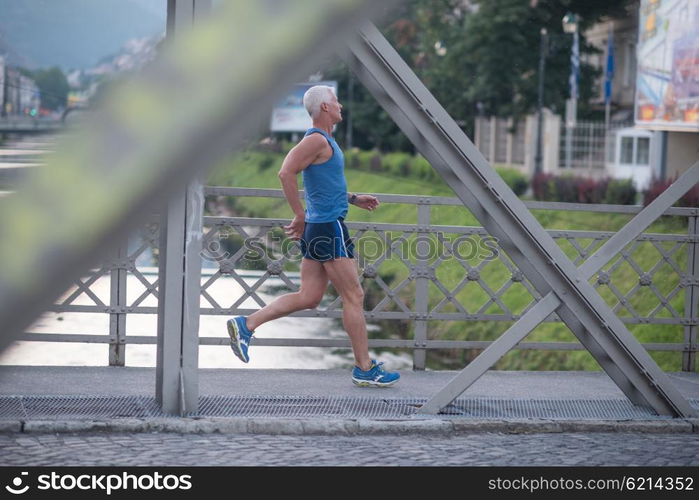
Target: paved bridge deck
42 398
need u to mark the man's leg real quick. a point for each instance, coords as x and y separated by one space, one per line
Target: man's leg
314 281
344 277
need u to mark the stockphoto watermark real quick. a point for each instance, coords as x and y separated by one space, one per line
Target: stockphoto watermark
275 246
107 483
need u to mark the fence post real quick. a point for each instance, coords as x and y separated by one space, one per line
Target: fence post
117 302
477 134
509 135
493 139
421 286
552 142
689 353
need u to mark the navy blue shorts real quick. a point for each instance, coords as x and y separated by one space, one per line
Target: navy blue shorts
323 241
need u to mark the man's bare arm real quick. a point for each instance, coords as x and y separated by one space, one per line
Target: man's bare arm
301 156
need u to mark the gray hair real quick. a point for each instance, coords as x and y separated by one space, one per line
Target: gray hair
315 96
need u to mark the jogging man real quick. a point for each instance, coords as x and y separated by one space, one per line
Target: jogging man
325 242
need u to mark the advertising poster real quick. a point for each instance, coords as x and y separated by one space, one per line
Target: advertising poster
289 115
667 86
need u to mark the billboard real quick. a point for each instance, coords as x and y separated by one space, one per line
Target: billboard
667 80
289 115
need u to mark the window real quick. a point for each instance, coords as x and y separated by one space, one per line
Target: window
642 151
626 150
634 150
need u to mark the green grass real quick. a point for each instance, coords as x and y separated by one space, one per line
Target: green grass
254 169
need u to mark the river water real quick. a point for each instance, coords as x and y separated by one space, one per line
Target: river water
82 354
225 291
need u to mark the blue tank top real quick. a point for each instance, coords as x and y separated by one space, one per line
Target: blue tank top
325 185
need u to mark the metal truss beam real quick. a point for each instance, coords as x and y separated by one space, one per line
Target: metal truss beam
532 318
504 216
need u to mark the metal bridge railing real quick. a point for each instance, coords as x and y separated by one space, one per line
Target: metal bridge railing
22 124
416 271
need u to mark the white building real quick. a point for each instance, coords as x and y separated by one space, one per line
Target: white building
629 147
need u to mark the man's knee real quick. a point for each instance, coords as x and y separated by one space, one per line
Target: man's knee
354 295
310 300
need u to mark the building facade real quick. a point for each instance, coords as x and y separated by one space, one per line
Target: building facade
19 94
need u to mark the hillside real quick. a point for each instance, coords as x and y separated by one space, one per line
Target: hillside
254 169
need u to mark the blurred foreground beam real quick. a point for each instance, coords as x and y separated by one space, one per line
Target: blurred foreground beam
207 91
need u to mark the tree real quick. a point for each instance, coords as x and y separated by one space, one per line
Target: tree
481 56
53 87
499 50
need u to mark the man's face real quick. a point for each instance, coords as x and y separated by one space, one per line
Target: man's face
335 109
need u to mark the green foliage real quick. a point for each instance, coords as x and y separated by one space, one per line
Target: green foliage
53 87
423 170
576 189
266 161
245 171
398 164
365 160
657 186
352 158
514 178
478 56
620 192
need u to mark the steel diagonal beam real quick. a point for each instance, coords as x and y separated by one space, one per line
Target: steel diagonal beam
503 215
203 97
540 311
639 223
84 287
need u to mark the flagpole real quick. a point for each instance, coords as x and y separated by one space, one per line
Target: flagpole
570 25
609 75
607 109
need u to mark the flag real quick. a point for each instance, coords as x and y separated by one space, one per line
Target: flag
609 75
574 67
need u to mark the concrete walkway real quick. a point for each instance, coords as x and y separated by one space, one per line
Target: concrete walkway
110 380
325 402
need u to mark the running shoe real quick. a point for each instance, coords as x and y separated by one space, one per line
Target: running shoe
375 376
240 337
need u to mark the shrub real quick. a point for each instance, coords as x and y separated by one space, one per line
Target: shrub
621 192
266 160
543 187
655 188
690 198
364 160
570 189
286 146
375 163
514 178
397 164
422 168
566 189
592 190
352 158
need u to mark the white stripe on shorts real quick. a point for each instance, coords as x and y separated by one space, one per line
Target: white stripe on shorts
342 233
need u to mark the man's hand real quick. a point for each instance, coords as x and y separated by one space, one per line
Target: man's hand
366 201
295 229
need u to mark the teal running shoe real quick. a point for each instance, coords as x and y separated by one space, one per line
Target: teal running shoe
375 376
240 337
